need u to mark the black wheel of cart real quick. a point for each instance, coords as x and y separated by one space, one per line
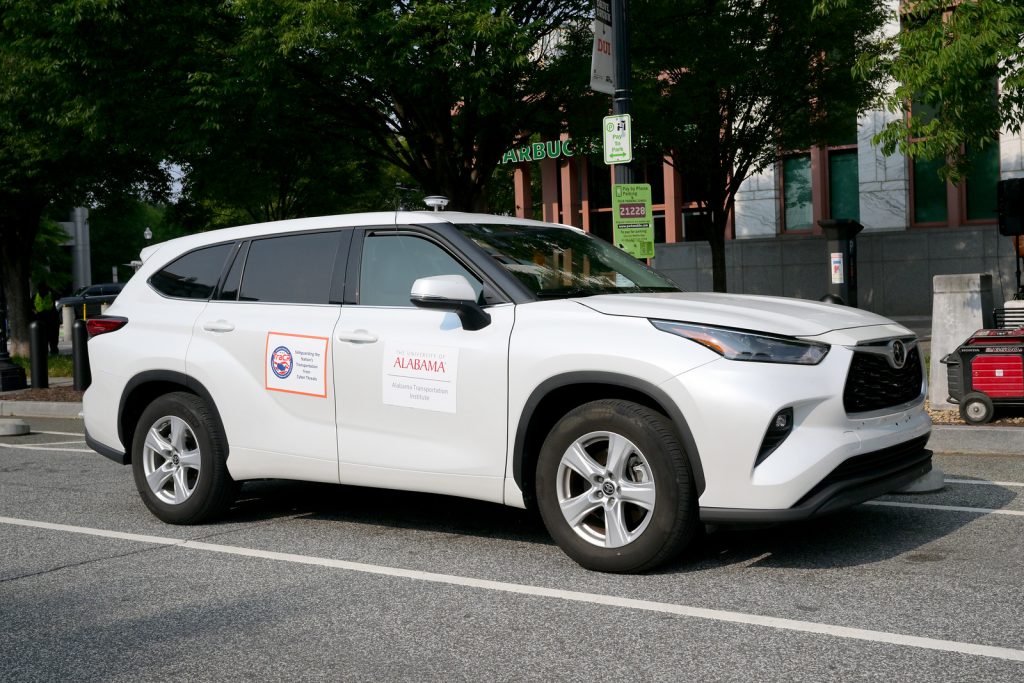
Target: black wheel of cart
976 408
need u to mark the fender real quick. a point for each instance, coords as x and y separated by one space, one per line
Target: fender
653 393
163 377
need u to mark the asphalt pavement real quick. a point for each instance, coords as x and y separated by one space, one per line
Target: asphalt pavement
308 582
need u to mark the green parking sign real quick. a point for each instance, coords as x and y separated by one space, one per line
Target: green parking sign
633 219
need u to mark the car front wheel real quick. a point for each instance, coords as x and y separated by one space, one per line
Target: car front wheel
615 489
179 459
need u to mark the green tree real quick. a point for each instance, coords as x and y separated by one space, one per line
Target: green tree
438 88
728 86
947 60
80 84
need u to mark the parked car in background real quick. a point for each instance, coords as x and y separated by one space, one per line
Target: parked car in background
93 297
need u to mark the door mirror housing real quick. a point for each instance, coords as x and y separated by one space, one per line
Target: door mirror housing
450 293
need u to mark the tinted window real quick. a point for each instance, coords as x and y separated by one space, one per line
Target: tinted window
391 263
290 269
194 275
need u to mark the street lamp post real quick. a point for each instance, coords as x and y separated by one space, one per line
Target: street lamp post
12 377
623 97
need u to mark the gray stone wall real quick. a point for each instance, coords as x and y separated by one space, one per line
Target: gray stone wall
895 268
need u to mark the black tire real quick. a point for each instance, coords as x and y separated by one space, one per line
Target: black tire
976 408
643 538
186 458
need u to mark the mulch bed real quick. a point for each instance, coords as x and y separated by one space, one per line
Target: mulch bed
50 394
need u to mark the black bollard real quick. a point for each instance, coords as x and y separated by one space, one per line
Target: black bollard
37 356
80 355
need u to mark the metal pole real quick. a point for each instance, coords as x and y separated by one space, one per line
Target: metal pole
12 377
623 97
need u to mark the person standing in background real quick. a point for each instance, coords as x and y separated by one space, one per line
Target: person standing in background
47 316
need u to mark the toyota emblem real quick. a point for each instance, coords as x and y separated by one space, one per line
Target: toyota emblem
897 353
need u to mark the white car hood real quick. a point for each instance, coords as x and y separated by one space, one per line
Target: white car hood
774 315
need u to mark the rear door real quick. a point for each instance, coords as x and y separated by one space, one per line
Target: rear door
262 347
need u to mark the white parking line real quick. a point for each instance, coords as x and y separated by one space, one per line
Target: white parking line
36 447
948 508
982 482
1004 653
78 434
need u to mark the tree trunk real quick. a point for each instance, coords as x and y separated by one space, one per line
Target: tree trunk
717 241
19 238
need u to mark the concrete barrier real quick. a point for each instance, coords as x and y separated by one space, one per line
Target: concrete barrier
961 304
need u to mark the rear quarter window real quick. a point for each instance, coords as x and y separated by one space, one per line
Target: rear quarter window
194 275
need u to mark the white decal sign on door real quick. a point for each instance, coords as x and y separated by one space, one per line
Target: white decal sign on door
424 377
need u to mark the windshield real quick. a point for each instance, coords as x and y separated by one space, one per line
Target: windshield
561 262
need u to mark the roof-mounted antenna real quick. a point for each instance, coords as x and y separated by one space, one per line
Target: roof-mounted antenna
436 202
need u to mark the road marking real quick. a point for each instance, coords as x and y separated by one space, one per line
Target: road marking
982 482
35 447
991 651
948 508
55 443
78 434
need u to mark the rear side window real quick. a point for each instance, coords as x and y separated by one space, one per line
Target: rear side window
194 275
293 269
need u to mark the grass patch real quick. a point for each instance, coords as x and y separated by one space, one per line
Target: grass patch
57 366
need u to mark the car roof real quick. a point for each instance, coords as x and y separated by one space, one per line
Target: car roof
352 220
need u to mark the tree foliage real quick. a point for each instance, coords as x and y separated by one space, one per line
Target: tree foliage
947 60
730 85
439 88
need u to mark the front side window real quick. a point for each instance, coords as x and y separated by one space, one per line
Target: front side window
560 262
194 275
391 263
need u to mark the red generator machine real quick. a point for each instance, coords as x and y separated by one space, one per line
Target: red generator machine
987 371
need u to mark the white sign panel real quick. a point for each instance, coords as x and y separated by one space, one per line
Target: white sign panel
423 377
296 364
837 268
618 146
602 64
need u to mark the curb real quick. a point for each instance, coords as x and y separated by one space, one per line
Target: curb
977 440
945 438
65 409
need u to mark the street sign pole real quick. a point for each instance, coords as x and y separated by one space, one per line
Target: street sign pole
622 99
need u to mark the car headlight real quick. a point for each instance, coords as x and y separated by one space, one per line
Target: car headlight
748 346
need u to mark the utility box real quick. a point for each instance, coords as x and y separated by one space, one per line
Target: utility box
841 234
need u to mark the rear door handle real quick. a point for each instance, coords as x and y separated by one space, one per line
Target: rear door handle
218 326
357 336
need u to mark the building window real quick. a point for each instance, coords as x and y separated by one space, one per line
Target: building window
796 193
981 183
843 184
929 192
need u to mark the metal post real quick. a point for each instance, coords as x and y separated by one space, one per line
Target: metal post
623 97
12 377
37 355
80 356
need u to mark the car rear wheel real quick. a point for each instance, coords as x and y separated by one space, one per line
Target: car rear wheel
615 489
179 459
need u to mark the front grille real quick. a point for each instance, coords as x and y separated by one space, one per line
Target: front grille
874 465
873 384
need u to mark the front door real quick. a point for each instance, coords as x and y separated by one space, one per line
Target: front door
421 402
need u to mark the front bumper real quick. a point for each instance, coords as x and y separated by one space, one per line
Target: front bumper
854 481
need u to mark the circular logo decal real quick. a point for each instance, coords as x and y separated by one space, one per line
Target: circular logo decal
899 353
281 362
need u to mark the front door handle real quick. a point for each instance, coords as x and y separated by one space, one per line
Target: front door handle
357 336
218 326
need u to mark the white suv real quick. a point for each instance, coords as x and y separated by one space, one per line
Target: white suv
500 359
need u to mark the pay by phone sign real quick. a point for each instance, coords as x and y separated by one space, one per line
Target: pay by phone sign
633 220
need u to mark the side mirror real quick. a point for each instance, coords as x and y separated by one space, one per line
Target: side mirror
450 293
